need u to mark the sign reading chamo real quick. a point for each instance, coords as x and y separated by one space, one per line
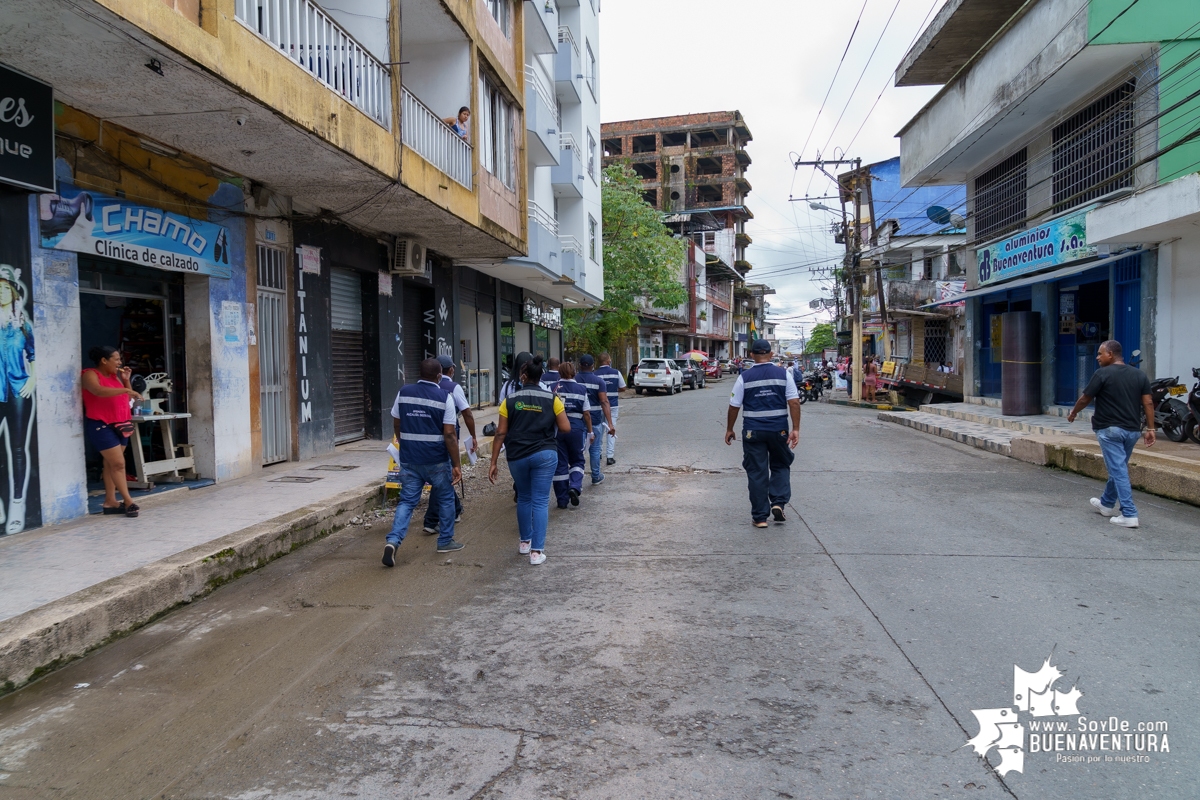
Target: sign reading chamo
1057 242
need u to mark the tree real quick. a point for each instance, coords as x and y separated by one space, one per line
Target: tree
641 265
823 336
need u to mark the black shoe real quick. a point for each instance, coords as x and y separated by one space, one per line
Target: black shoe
429 529
574 496
451 546
389 555
611 461
777 513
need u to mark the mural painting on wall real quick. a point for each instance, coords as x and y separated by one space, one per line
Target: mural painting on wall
20 502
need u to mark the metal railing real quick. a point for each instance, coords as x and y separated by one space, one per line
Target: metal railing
434 140
566 37
570 244
566 141
542 217
303 32
543 93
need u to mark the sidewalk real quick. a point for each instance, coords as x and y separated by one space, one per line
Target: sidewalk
1169 469
72 587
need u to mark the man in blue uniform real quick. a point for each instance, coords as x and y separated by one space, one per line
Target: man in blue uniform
463 408
568 476
616 382
551 376
767 397
423 420
597 391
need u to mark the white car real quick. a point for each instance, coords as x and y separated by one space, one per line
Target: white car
657 373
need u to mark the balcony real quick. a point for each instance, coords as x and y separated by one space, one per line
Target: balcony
720 296
541 27
566 177
541 120
543 240
568 68
743 158
432 139
307 35
573 262
742 240
910 295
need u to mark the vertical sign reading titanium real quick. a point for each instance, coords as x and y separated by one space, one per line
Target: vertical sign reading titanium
302 350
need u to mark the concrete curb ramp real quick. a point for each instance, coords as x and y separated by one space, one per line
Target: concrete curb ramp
45 638
862 404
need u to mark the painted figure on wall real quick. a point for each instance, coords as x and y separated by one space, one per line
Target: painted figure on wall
17 406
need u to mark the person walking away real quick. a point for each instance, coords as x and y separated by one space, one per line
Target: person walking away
602 422
423 420
568 476
529 418
768 399
463 408
107 423
870 379
1122 394
552 376
616 382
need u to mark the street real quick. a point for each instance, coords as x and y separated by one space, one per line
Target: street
666 648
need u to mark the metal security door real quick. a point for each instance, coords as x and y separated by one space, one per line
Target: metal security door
349 392
1127 304
272 356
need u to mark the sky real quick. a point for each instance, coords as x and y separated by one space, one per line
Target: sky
773 60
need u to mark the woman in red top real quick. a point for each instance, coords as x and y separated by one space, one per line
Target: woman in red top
106 393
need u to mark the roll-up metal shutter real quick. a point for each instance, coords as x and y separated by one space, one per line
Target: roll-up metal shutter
414 346
349 398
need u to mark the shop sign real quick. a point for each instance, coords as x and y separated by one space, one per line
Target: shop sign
86 222
26 131
543 314
1057 242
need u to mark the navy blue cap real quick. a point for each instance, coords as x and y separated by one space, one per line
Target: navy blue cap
446 361
760 346
587 361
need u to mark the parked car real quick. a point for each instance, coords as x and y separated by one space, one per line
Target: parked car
693 374
712 369
726 366
654 374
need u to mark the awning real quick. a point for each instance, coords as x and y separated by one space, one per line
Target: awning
1041 277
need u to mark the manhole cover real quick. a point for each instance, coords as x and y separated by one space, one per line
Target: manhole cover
296 479
335 467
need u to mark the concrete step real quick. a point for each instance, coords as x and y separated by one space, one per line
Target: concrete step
982 436
1038 425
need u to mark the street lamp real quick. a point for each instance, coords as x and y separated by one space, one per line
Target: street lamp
823 207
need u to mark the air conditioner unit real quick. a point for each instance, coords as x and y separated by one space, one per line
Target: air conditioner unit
408 258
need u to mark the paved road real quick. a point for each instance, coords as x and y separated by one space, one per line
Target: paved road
666 648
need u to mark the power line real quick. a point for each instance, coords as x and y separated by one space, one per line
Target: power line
835 75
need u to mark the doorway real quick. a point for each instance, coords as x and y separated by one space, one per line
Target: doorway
349 384
272 356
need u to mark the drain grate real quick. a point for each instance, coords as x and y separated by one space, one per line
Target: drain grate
335 467
296 479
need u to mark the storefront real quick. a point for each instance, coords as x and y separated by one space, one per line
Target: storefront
477 352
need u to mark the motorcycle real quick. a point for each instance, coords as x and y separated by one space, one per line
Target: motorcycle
815 385
1170 413
1192 424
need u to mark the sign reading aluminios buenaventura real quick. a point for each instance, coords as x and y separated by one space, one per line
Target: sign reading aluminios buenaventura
26 131
86 222
1045 718
543 314
1052 244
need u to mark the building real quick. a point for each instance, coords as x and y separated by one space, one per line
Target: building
693 169
1070 122
263 205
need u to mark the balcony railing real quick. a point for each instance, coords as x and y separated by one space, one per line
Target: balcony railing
542 217
569 244
434 140
303 32
544 94
566 141
566 37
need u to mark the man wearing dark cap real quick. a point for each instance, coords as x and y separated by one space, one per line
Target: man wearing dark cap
462 408
602 422
766 398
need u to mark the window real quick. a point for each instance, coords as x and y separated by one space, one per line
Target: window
592 237
612 147
591 67
498 120
591 155
1093 150
1000 199
502 12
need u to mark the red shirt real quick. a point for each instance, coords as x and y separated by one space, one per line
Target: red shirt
106 409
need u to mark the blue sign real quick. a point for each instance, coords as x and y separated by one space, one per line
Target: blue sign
86 222
1057 242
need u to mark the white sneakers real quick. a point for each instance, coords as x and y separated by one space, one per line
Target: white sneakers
1114 514
523 548
536 558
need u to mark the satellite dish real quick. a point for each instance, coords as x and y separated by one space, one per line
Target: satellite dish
943 216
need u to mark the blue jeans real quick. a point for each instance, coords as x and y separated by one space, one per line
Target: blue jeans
413 478
533 475
767 460
610 444
1116 444
569 472
596 449
431 511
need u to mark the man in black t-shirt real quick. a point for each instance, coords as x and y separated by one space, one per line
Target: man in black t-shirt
1122 394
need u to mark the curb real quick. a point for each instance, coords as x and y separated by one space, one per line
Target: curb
46 638
861 404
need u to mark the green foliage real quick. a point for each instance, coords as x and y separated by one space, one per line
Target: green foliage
641 266
823 336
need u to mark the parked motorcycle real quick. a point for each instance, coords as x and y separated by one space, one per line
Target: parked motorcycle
1192 424
1170 412
816 386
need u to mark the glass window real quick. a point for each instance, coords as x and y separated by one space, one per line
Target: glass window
591 155
498 119
591 67
502 12
592 237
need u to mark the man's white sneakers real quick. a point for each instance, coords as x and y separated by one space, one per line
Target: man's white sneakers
1124 522
1108 512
